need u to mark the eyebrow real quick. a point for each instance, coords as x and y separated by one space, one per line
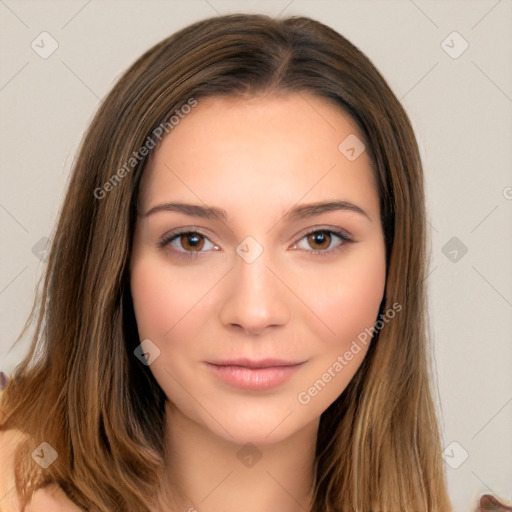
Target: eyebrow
310 210
296 213
194 210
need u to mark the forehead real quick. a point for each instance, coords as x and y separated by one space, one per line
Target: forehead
271 150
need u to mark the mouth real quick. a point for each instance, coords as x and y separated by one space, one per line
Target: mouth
254 374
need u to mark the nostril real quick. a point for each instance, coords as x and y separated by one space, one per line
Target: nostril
247 331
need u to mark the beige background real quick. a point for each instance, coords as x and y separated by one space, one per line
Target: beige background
461 109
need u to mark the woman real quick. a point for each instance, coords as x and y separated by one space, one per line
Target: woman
233 313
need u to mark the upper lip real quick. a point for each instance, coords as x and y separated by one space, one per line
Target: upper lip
255 363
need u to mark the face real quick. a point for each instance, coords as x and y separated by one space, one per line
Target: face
258 260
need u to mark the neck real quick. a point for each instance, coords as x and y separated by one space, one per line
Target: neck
207 473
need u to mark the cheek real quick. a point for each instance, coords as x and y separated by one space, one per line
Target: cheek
154 300
170 306
348 304
163 297
350 295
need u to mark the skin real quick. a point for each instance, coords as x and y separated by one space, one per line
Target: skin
303 299
51 497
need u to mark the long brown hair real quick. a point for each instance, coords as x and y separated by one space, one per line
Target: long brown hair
82 390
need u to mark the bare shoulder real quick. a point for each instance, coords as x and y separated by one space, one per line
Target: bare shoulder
9 440
51 497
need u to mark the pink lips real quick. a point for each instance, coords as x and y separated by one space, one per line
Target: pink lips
256 375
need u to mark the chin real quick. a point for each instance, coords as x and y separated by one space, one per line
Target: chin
262 426
242 434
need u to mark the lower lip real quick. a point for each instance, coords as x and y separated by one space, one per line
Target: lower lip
254 378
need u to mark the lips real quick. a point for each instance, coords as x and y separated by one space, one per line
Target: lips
253 374
254 363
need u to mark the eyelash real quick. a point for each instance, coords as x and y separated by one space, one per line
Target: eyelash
167 239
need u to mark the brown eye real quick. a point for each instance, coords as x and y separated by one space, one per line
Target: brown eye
323 241
187 243
192 241
319 240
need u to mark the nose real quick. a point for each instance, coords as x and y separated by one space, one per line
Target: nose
255 299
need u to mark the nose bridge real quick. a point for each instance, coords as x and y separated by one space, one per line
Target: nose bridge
256 298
